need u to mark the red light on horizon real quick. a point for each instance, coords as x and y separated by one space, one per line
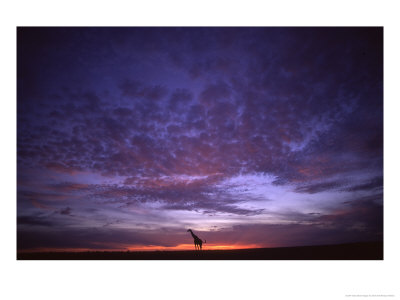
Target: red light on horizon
180 247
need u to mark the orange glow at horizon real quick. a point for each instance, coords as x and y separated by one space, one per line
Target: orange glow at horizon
180 247
184 247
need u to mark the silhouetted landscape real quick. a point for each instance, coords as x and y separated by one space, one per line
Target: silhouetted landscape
353 251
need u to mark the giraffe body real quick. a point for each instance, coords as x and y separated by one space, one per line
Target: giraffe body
198 243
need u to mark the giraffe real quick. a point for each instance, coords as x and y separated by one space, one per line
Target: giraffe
198 243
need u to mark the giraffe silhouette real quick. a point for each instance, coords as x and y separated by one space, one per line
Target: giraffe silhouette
198 243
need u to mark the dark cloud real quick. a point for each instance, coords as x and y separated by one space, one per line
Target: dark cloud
84 238
319 187
33 221
373 184
66 211
215 92
341 185
180 99
135 89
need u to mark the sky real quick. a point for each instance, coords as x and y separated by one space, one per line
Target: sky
251 137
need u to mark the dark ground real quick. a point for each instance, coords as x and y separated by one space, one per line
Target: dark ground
354 251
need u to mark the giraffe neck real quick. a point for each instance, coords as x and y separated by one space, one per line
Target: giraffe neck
193 235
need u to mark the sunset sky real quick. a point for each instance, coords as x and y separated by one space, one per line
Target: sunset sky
251 137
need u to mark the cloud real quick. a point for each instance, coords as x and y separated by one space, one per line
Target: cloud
192 195
66 211
373 184
98 238
135 89
361 221
215 92
179 99
32 220
171 117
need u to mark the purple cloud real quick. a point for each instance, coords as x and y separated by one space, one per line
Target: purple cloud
251 129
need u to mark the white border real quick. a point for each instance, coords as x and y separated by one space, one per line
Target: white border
197 279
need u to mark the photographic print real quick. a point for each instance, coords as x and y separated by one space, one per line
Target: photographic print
200 143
